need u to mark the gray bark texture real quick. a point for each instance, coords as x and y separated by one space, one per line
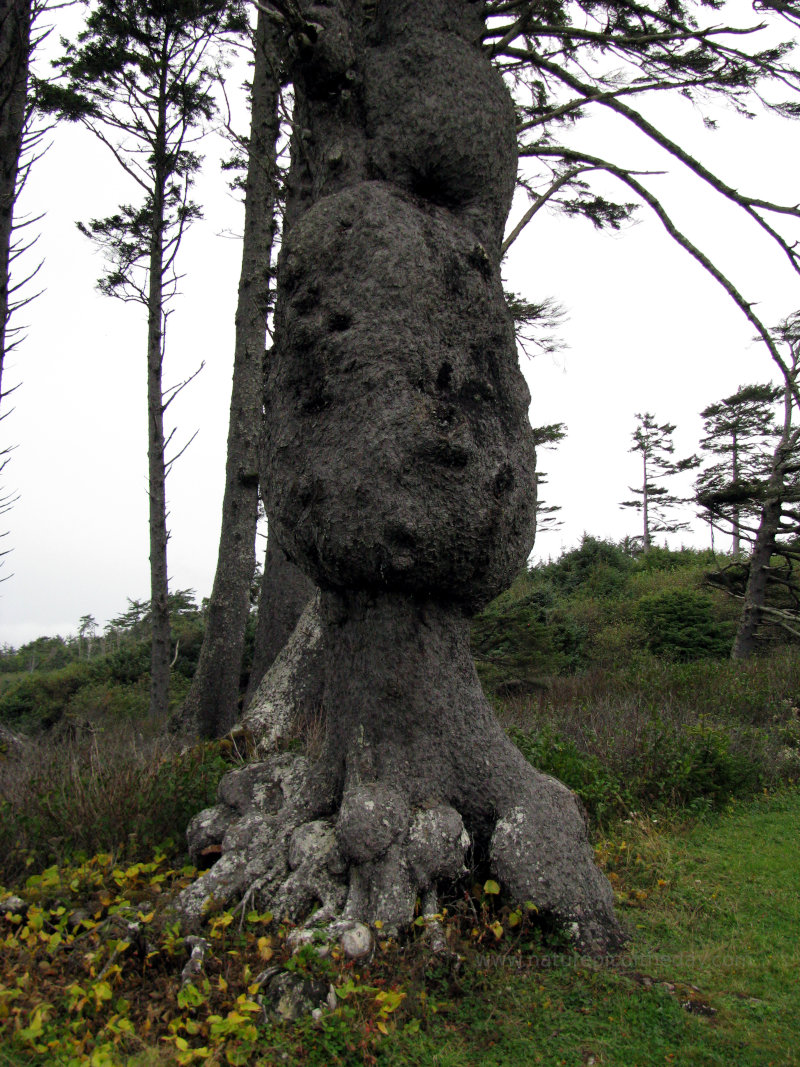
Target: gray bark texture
156 462
400 466
15 46
285 592
212 704
289 698
769 525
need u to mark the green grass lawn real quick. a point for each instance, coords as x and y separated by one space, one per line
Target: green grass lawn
711 975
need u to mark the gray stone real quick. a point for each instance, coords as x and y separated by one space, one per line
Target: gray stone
357 941
291 996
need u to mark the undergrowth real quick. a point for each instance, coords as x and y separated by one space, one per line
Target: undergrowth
114 792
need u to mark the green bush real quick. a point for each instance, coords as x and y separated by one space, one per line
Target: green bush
666 762
518 642
129 663
599 788
668 559
597 567
681 626
78 800
39 698
702 762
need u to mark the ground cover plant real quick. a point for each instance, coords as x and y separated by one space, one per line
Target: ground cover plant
687 768
91 967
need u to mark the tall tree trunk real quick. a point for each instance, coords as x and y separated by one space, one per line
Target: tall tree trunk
645 506
755 594
213 700
157 474
15 44
401 478
156 443
736 510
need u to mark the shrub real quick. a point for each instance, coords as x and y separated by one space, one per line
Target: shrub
599 567
110 793
599 788
40 697
516 642
681 625
704 761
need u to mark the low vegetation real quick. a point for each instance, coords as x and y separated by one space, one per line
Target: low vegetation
609 671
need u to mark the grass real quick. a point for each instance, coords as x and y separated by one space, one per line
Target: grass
709 978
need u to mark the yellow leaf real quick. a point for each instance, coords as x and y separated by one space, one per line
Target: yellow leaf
496 929
382 1027
265 947
491 888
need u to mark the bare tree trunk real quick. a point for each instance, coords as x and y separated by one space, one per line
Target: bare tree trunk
401 477
15 43
156 443
736 510
646 542
212 704
755 594
157 474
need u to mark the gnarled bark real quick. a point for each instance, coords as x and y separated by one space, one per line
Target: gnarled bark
400 468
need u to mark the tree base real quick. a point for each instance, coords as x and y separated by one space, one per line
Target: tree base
415 780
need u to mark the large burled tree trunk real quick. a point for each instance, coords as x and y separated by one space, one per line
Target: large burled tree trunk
401 479
212 704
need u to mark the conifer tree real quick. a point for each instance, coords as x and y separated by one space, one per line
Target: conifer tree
139 76
655 446
547 437
775 552
738 430
211 707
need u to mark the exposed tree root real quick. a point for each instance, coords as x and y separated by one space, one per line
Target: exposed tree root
360 838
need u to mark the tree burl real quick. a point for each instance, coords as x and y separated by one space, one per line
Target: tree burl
399 465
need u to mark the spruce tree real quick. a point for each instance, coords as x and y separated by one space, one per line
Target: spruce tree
211 706
655 501
738 430
139 76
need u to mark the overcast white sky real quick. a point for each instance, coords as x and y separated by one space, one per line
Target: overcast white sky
647 330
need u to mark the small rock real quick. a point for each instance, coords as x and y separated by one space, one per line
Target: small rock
291 996
14 905
356 941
